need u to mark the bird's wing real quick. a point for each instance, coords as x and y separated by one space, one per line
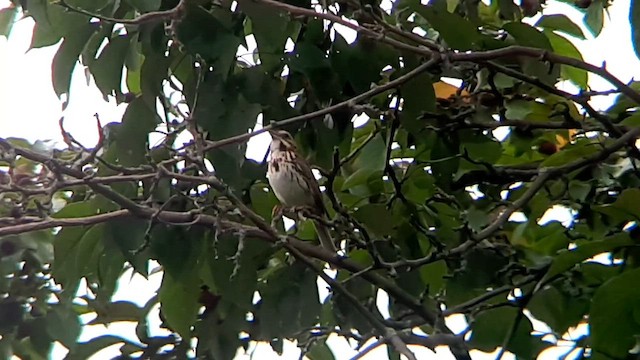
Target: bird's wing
313 185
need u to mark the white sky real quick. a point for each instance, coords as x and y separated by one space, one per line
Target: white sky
29 109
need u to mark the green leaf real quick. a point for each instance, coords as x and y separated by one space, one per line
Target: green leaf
625 207
458 32
289 301
258 87
110 267
491 327
130 143
360 177
418 186
107 69
76 210
232 272
508 10
376 218
612 324
67 55
579 190
7 19
176 249
527 35
262 201
223 112
594 18
445 161
88 250
75 247
558 310
566 260
153 72
571 153
632 121
320 351
560 22
63 325
271 29
518 109
210 36
565 47
95 43
179 303
482 149
419 97
433 276
52 22
311 61
477 218
128 234
370 56
368 163
46 30
307 58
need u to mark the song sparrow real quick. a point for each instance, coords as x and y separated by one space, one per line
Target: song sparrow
293 182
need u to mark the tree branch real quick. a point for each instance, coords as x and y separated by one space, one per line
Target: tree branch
319 113
153 16
545 55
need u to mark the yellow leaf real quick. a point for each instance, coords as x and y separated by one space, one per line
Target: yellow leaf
563 139
445 91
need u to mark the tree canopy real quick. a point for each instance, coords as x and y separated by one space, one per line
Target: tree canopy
435 191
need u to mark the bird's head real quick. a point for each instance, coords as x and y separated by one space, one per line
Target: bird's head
281 141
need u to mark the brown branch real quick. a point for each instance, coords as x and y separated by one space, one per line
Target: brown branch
581 100
543 174
35 224
526 124
153 16
56 167
362 353
545 55
432 341
300 11
465 306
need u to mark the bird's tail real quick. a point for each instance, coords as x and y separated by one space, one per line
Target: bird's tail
325 237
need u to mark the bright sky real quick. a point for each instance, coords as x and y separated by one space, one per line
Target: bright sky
30 109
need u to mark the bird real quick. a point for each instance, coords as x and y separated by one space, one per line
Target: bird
293 183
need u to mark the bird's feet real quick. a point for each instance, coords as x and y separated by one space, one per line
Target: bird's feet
276 214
